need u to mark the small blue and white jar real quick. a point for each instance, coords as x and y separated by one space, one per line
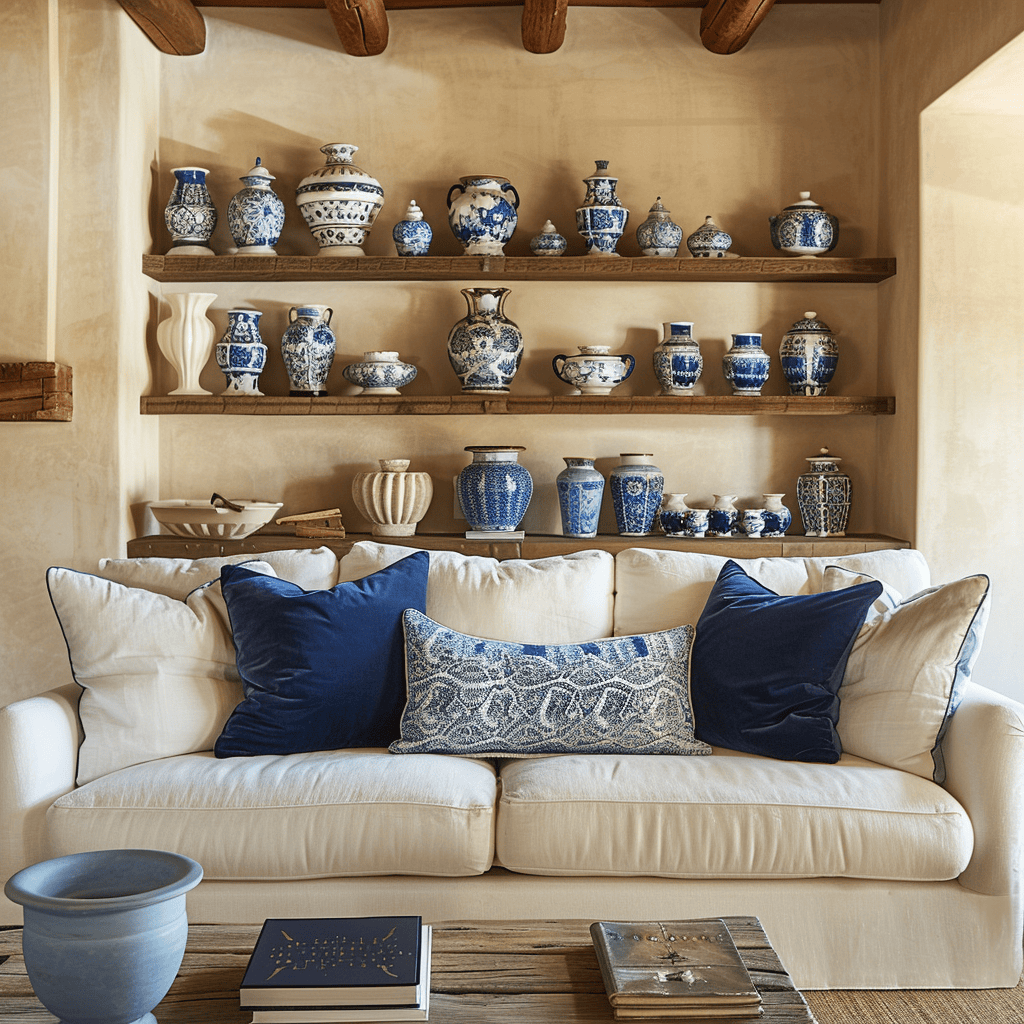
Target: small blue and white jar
380 373
601 220
777 518
746 364
659 235
494 490
256 214
677 360
190 215
672 515
723 516
413 234
753 522
549 242
241 354
637 486
709 241
307 348
580 489
483 216
809 354
804 228
823 494
695 522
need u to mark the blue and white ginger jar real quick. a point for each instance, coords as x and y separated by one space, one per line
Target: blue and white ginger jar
593 371
777 518
601 220
804 228
677 360
672 514
241 354
494 490
380 373
709 241
659 235
549 242
483 214
580 489
823 494
746 364
809 354
485 348
256 214
412 235
307 347
190 215
637 486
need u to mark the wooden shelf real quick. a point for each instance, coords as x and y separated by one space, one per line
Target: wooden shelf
517 405
821 269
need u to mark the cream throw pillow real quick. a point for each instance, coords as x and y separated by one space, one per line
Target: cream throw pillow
907 670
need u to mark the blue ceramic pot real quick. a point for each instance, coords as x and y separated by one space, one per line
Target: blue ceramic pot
777 518
485 348
483 214
494 490
580 489
677 360
380 373
104 931
549 242
637 486
746 364
659 235
241 354
307 348
709 241
413 235
809 354
256 214
190 215
804 228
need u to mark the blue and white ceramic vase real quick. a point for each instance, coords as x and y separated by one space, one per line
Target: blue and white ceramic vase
709 241
241 354
485 348
809 354
823 494
256 214
494 490
723 516
637 486
413 234
482 213
549 242
307 348
593 371
677 360
804 228
190 215
104 931
380 373
746 364
601 220
659 235
580 489
339 202
672 514
777 518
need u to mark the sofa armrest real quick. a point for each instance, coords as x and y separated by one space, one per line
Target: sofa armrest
984 751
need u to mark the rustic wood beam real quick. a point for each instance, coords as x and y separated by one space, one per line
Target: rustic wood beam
727 25
544 25
362 25
174 26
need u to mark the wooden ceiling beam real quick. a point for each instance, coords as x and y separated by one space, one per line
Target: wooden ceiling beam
544 25
174 26
362 25
727 25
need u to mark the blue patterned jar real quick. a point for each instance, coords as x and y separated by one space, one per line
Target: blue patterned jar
580 489
777 518
746 364
709 241
677 360
413 234
256 214
485 348
659 235
241 354
190 215
307 348
494 490
549 242
804 228
809 354
723 516
823 494
637 486
601 220
380 373
483 215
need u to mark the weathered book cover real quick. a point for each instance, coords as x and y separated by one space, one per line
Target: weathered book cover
680 966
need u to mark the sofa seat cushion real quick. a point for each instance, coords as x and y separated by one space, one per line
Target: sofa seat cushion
312 815
726 816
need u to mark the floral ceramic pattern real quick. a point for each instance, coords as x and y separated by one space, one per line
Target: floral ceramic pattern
307 348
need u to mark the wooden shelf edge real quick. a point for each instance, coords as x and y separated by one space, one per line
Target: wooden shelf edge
36 392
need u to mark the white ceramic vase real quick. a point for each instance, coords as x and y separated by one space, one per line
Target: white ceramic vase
394 500
186 339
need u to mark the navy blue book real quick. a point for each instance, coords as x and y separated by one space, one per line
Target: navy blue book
336 962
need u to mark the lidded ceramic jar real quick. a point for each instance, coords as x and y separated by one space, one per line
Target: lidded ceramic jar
483 215
256 214
823 494
637 486
804 228
549 242
659 235
709 240
602 218
593 371
809 354
580 489
380 373
746 365
393 500
339 202
494 490
677 360
412 235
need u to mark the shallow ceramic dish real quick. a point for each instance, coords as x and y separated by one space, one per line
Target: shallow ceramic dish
188 517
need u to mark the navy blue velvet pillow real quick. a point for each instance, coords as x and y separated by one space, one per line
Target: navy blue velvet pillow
766 669
321 669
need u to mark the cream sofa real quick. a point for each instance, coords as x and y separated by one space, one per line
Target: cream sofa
863 875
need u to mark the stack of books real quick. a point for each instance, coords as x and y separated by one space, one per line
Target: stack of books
320 970
674 969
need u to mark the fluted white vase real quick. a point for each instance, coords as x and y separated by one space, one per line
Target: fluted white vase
186 339
394 500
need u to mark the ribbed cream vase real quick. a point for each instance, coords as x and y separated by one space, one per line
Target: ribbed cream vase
393 500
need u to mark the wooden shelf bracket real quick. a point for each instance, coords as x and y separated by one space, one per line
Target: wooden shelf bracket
544 25
362 25
174 26
727 25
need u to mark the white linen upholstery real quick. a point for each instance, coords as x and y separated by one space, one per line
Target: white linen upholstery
561 600
341 812
726 816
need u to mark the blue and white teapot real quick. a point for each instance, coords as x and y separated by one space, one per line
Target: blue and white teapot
804 228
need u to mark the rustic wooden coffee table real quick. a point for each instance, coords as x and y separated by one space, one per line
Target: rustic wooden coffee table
482 972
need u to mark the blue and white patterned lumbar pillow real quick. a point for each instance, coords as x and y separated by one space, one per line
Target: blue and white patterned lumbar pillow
622 695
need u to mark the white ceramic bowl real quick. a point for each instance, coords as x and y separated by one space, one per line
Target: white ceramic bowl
193 517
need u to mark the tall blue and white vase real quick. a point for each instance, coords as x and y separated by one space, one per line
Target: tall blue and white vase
677 360
307 348
412 235
241 354
823 494
659 235
482 213
777 518
256 214
601 220
637 486
746 364
723 516
580 489
809 354
485 348
190 215
494 490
